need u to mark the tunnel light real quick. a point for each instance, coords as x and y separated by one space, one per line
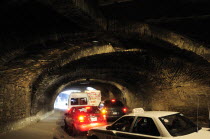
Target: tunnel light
95 41
90 88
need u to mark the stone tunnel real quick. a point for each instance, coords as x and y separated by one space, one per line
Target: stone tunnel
157 60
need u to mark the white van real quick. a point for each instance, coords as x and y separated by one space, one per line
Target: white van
78 99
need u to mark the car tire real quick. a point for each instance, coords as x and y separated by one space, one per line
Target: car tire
65 126
75 132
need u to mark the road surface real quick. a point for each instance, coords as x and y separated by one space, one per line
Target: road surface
48 128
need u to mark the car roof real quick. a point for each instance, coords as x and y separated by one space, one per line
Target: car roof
155 114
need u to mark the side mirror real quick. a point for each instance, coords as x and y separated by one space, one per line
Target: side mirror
109 128
66 104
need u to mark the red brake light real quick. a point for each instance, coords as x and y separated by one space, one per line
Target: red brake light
113 100
124 110
81 118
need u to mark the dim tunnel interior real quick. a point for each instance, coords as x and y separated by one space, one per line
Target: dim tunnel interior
108 92
148 65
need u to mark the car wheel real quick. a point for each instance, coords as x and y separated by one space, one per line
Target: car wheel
75 132
65 126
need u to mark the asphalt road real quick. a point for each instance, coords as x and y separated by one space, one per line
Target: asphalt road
48 128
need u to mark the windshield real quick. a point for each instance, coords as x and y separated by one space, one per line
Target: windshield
178 125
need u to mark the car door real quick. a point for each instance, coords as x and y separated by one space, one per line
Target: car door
124 124
143 128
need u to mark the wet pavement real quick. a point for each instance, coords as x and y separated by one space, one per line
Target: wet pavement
51 127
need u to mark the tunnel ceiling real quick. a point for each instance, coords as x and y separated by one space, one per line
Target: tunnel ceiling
189 17
151 50
26 21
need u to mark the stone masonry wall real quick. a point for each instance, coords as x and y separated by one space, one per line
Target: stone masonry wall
15 98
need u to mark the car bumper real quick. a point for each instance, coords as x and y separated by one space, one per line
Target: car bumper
86 127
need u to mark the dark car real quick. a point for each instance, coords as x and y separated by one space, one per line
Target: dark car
113 109
82 118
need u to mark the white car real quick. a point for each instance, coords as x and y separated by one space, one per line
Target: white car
142 124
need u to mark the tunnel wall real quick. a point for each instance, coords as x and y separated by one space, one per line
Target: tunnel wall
190 100
15 100
182 87
15 96
146 30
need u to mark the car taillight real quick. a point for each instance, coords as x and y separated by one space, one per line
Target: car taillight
103 111
104 116
81 119
113 100
124 110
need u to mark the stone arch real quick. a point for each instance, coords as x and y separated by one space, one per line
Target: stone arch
178 40
126 95
44 99
144 30
168 76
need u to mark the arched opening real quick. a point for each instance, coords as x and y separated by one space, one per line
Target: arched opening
61 100
106 89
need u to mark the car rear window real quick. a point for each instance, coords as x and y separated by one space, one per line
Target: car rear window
78 101
113 104
88 109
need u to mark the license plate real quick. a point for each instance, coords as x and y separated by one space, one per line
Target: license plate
114 113
93 119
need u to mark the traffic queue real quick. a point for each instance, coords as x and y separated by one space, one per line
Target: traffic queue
137 124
